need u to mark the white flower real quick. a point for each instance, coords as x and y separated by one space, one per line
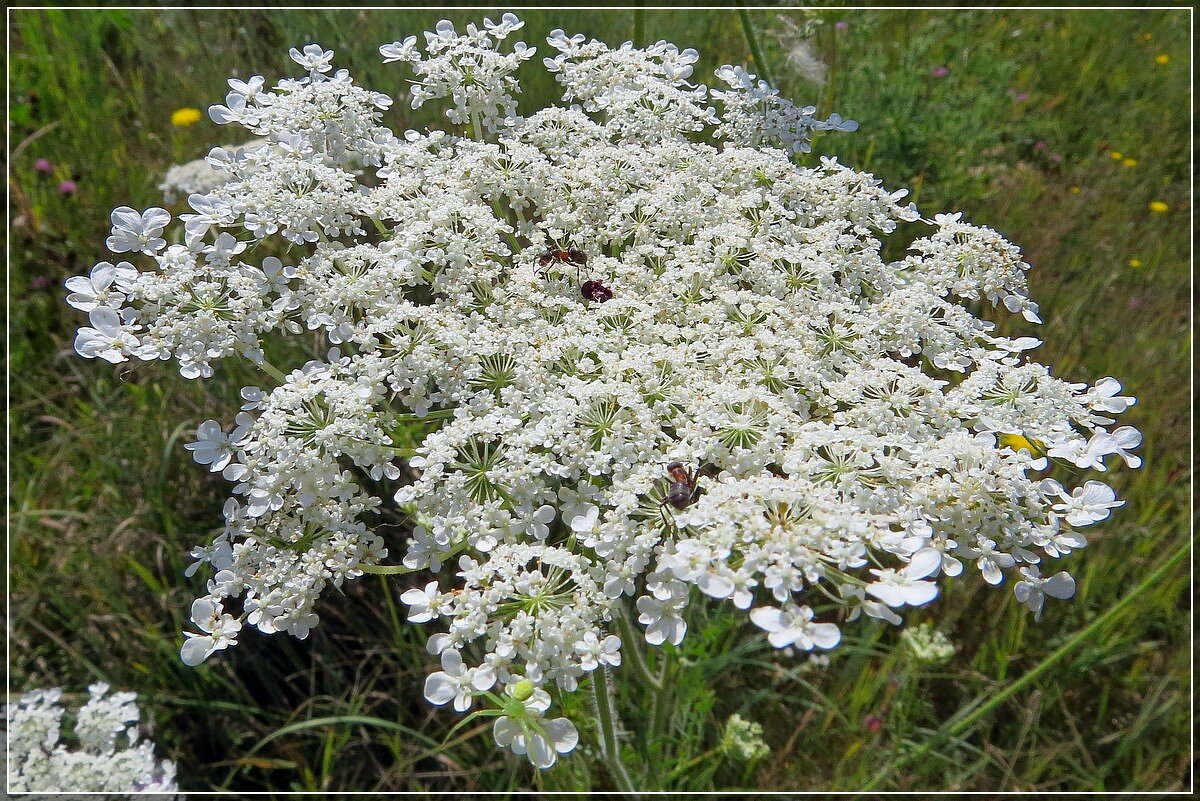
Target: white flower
140 232
313 58
793 626
525 731
1105 398
542 745
1089 504
756 114
662 621
898 588
215 448
457 683
468 68
107 338
422 603
219 631
104 285
1032 589
595 652
621 343
1090 454
990 560
400 51
585 520
1125 439
537 525
106 756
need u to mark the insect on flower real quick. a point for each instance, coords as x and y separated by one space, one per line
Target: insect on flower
591 289
596 291
565 255
683 485
682 489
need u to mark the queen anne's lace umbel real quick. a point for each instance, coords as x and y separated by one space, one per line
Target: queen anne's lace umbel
102 753
647 358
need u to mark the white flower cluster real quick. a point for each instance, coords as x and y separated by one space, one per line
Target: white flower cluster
927 645
743 740
199 176
105 754
469 69
645 356
755 114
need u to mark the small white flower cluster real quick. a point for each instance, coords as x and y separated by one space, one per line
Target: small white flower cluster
469 69
198 177
755 114
743 740
639 367
105 754
927 645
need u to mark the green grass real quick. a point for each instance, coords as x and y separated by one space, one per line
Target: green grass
104 502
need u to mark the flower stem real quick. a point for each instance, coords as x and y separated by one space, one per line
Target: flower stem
662 701
760 63
272 370
605 716
436 414
634 651
381 228
387 570
691 763
476 126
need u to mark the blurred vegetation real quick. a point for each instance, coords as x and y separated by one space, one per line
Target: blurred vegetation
1057 128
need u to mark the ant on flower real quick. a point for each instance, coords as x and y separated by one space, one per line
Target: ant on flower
592 289
565 255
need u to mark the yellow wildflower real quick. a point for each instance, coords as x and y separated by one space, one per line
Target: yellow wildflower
1158 207
1130 162
1115 156
1019 442
1075 190
1135 263
1163 59
184 117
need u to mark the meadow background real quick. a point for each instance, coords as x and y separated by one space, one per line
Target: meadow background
1067 131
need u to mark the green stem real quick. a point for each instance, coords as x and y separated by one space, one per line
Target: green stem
272 370
387 570
399 570
662 701
605 716
691 763
969 718
476 126
381 228
760 63
501 214
437 414
633 651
